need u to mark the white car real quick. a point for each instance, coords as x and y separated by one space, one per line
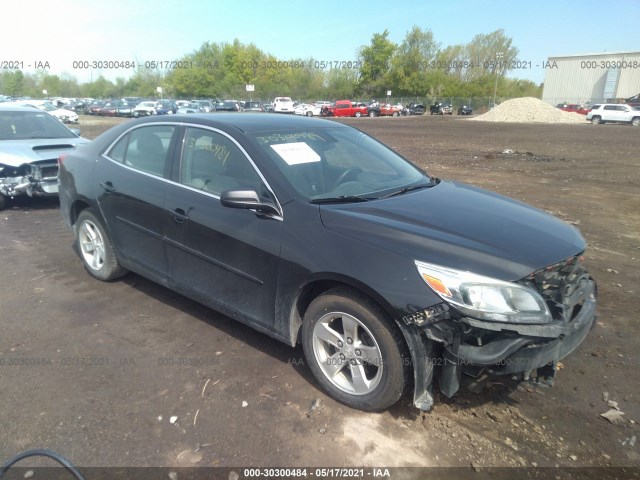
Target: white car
65 116
144 109
614 112
283 105
307 109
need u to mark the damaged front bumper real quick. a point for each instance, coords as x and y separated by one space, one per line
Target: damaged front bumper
29 179
446 345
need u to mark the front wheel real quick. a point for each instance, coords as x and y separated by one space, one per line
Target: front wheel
635 121
596 120
354 350
372 114
96 249
309 113
396 114
358 114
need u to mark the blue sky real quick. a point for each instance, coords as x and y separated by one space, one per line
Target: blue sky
330 30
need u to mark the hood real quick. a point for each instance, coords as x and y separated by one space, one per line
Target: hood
462 227
18 152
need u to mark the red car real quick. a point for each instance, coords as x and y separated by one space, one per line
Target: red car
344 108
581 109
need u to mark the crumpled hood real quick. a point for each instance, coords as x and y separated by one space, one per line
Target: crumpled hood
460 226
18 152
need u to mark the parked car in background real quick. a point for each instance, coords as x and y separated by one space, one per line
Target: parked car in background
465 110
414 109
229 106
315 233
385 110
307 109
268 107
572 107
283 105
189 107
31 141
441 108
614 113
165 107
253 106
94 107
345 108
144 109
205 105
65 116
125 108
109 109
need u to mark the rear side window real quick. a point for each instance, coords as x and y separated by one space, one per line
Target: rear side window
146 148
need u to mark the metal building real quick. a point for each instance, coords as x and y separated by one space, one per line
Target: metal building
592 78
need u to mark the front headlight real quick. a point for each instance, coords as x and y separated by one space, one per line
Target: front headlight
483 297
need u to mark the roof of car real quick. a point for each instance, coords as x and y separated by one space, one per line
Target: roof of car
17 107
249 122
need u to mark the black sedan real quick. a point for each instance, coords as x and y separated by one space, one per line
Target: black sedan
465 110
315 233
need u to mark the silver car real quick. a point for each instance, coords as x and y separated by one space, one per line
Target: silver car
31 141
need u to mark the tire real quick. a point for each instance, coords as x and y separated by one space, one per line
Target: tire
3 201
95 248
358 114
395 114
309 113
341 327
635 121
596 120
372 114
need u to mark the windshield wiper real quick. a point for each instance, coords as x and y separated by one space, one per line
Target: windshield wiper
403 190
340 199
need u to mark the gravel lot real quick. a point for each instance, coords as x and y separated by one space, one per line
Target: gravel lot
529 110
132 374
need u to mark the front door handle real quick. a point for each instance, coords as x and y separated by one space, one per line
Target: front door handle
179 215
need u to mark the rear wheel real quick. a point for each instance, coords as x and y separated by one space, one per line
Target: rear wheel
358 114
396 114
635 121
354 351
372 114
96 249
309 113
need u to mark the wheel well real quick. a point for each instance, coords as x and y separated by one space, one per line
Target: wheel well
316 288
77 207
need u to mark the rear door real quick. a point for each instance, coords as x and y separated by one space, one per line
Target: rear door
229 257
132 179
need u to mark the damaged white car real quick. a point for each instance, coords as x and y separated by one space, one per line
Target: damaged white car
30 143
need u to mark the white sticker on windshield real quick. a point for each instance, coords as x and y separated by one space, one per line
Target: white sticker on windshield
296 153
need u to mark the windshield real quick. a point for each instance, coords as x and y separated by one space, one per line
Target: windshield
335 163
24 125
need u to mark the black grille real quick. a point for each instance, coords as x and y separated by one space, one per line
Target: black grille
564 286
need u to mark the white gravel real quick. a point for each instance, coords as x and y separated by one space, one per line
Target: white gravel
529 110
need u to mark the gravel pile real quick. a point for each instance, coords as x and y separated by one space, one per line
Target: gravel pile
529 110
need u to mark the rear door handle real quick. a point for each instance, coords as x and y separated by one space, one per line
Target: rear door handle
108 187
179 215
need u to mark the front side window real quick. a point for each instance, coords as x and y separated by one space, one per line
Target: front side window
213 163
145 148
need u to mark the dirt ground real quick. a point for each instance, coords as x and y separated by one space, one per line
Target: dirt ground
131 374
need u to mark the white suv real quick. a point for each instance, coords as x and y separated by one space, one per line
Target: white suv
614 112
283 105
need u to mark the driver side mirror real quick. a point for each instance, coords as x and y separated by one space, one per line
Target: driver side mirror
248 200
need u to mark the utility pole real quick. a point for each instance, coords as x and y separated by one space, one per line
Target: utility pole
495 88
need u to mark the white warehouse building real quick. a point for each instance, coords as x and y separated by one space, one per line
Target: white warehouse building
592 78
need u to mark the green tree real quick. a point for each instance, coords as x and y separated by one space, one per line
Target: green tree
375 63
